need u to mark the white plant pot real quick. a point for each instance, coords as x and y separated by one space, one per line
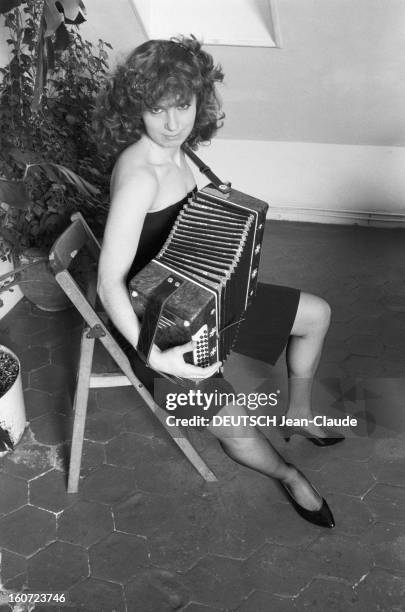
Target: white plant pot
12 407
11 297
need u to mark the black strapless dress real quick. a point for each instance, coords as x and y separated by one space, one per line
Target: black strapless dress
263 335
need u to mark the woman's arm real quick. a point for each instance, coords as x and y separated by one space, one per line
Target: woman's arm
132 196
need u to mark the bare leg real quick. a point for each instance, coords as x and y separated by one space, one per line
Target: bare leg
249 447
303 354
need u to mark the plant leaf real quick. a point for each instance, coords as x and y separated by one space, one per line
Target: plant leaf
40 70
62 38
50 55
7 5
77 181
14 193
22 156
5 440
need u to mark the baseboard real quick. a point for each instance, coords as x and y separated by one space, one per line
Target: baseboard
339 217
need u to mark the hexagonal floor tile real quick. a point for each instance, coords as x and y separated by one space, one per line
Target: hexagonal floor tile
142 421
12 566
277 570
54 335
387 503
341 557
353 449
118 557
57 567
361 344
102 426
390 449
94 595
66 355
34 357
195 607
187 533
348 477
93 456
29 460
52 428
263 600
155 589
119 400
324 595
50 491
108 485
362 366
168 469
14 493
39 403
242 515
218 581
143 514
27 530
392 473
28 326
84 523
50 378
381 591
127 448
387 545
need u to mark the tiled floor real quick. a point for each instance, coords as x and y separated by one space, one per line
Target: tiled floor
146 534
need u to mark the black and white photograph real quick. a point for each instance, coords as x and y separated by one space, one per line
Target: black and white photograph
202 305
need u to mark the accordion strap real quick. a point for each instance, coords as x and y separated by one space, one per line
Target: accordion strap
224 187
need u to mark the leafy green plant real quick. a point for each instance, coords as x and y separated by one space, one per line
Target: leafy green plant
49 165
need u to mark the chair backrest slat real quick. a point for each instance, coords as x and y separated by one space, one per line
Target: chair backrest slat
71 242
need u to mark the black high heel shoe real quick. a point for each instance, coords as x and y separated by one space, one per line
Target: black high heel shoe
322 517
333 437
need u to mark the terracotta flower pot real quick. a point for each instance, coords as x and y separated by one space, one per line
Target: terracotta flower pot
38 284
12 407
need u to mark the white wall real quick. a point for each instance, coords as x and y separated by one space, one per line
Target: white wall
113 21
314 181
338 78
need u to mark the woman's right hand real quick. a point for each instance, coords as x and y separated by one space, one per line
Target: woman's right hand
171 361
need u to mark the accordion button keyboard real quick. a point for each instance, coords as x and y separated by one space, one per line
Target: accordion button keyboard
200 351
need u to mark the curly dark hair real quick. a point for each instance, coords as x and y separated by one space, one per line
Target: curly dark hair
158 69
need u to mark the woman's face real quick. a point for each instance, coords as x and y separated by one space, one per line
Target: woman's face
170 123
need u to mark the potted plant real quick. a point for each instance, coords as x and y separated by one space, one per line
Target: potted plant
49 165
12 409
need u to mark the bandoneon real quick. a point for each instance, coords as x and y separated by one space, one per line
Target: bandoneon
204 278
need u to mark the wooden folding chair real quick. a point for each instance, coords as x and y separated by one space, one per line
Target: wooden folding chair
76 238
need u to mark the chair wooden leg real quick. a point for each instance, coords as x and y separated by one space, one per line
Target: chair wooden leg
80 410
176 433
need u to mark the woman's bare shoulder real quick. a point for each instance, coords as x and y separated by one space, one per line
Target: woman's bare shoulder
132 167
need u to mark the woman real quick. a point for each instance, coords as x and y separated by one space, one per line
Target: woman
164 95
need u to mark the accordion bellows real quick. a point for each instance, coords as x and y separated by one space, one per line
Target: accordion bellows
212 257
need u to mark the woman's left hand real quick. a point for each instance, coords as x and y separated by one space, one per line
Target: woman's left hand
171 361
